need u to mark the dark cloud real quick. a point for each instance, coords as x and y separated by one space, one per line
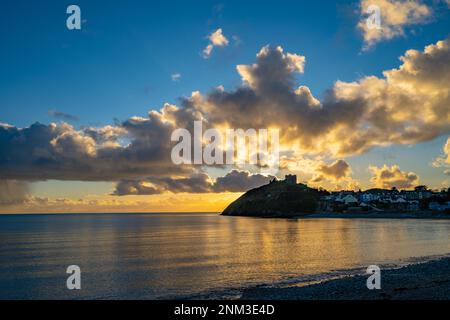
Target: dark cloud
239 181
42 152
134 187
13 192
389 177
62 116
234 181
338 170
196 183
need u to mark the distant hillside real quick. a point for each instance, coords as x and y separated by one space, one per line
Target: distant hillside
279 198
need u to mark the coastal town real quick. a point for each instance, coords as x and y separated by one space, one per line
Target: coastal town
420 199
287 198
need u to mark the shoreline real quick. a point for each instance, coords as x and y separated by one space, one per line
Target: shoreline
422 280
377 215
425 215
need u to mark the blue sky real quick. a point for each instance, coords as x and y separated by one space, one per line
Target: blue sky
120 64
121 61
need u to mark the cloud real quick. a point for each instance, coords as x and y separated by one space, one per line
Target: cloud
134 187
63 116
443 160
389 177
107 136
274 68
234 181
216 39
407 105
176 77
72 144
162 203
13 192
239 181
195 183
395 16
338 170
446 150
58 151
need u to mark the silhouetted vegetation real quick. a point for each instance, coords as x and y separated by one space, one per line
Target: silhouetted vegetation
276 199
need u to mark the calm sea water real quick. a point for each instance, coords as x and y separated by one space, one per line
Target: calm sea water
156 256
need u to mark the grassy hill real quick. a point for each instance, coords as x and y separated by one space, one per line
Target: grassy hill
275 199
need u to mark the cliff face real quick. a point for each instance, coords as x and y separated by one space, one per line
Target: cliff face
277 199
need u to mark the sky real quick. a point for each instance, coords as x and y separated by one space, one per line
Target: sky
82 124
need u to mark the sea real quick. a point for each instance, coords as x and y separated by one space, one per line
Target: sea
198 255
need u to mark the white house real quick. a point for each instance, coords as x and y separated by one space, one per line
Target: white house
348 200
436 206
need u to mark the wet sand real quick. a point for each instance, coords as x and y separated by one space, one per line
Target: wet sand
422 281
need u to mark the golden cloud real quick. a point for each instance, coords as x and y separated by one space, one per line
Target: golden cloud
389 177
395 15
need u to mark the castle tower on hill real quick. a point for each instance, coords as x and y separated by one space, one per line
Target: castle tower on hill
290 179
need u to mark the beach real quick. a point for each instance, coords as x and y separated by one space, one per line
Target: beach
422 281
